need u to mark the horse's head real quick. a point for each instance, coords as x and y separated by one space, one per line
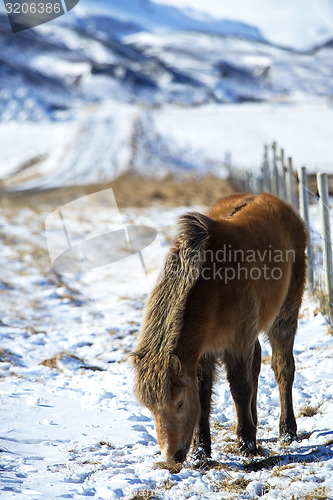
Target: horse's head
177 415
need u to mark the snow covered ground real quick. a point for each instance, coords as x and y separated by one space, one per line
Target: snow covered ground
70 426
107 139
303 130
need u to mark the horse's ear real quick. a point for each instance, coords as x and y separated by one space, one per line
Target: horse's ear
175 365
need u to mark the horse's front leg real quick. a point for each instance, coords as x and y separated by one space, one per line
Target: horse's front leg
202 440
239 373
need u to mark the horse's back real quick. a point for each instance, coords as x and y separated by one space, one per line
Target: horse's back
260 220
263 243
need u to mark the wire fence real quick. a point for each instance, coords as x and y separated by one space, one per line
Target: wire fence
311 198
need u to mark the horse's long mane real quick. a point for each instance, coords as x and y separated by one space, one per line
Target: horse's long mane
163 317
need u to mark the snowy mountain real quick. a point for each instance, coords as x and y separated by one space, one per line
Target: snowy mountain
149 55
299 25
151 16
173 55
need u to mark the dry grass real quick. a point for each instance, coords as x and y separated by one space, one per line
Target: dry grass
266 360
309 311
309 411
329 330
228 433
216 425
317 494
323 301
144 495
7 356
168 485
105 443
278 470
131 190
53 362
32 331
231 449
232 486
172 467
218 466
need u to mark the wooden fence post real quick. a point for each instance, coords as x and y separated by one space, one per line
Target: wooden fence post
282 177
322 184
275 173
304 211
253 183
257 184
248 186
291 187
266 183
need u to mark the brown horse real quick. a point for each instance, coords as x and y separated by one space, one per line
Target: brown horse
230 275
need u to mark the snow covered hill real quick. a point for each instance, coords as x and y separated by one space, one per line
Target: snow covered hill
299 25
58 67
151 16
73 91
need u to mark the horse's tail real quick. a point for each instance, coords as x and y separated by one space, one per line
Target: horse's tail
163 318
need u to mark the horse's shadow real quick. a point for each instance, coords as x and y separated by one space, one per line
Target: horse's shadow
305 454
265 459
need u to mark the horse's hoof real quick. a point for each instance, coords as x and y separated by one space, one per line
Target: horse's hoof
200 457
199 453
287 438
249 449
206 465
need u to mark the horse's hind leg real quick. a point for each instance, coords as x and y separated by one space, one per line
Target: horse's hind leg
281 336
206 370
284 368
256 365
